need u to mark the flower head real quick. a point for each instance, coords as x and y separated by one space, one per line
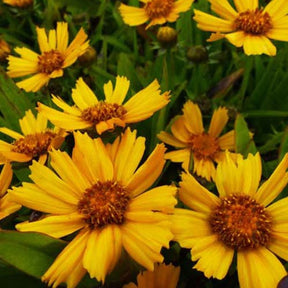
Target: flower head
163 276
248 26
105 115
55 56
100 192
35 142
154 11
19 3
242 220
189 135
7 206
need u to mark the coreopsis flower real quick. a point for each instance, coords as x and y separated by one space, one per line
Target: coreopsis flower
101 193
154 11
105 115
242 221
163 276
7 206
55 56
35 142
19 3
4 50
190 137
248 26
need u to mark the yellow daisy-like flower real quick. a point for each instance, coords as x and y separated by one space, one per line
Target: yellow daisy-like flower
242 220
35 142
248 26
163 276
19 3
154 11
100 192
55 56
189 135
105 115
7 206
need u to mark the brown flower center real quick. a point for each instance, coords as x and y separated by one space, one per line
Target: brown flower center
50 61
204 146
254 22
102 112
34 144
241 222
158 8
104 203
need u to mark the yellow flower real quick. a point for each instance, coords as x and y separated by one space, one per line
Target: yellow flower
248 26
100 192
55 56
35 142
19 3
105 115
163 276
189 135
154 11
7 206
241 220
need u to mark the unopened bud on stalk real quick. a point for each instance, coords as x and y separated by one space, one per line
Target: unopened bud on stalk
197 54
167 36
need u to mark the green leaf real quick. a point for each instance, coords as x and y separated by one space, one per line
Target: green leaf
284 145
244 142
13 102
31 253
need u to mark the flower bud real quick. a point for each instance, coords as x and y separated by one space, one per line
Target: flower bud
88 57
4 50
197 54
167 36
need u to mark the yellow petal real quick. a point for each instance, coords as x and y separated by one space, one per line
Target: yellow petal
31 196
189 226
143 104
236 38
19 67
204 168
170 140
105 246
148 172
224 9
276 9
193 118
270 189
157 199
7 207
92 160
218 121
62 36
128 156
56 226
133 16
244 5
256 45
11 133
214 258
42 40
68 171
34 83
83 96
68 265
227 141
259 268
211 23
5 178
180 131
120 91
195 195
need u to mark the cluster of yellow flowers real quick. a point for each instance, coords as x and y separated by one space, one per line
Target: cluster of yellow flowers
105 193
